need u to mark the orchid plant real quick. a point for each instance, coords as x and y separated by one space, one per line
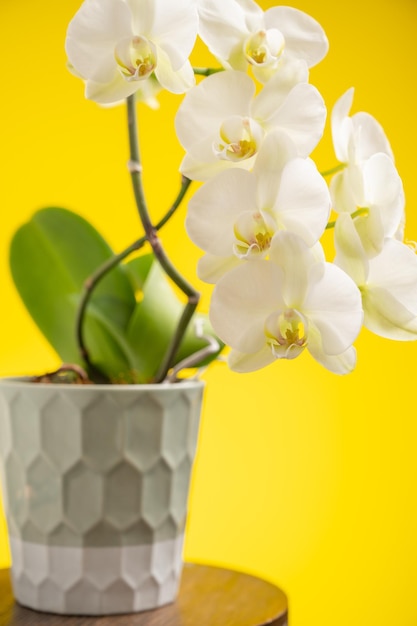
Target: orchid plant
248 126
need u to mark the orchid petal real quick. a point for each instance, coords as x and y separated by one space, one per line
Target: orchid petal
302 116
371 231
388 317
242 362
346 190
112 92
175 29
395 269
223 28
211 268
143 15
350 254
276 151
242 300
333 303
294 257
371 136
174 81
304 37
303 202
207 105
342 127
275 92
343 363
92 35
214 208
383 190
205 168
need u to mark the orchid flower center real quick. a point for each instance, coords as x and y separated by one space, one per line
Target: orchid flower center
286 333
264 47
240 138
253 233
136 58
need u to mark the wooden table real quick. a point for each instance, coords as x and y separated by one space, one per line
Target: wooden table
209 596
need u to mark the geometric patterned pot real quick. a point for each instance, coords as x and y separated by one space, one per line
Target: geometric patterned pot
95 480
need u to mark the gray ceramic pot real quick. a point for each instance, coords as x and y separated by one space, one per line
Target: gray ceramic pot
95 481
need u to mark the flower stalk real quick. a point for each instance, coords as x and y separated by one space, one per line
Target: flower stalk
92 281
151 234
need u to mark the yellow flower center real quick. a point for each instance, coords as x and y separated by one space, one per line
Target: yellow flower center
264 47
286 333
239 139
253 233
136 58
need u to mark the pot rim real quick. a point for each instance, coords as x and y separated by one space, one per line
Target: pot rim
27 381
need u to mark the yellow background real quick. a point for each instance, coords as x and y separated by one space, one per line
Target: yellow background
303 478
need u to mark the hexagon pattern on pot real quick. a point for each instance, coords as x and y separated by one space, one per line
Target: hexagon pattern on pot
96 483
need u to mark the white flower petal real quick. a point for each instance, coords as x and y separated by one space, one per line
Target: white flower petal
276 151
207 165
350 254
395 270
387 317
178 81
303 202
346 190
275 92
207 105
211 268
223 28
383 190
342 126
243 362
338 364
112 92
92 35
214 208
295 258
371 232
333 303
371 137
143 15
302 116
175 29
304 37
241 302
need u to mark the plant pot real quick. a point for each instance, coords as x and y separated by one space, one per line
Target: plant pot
95 480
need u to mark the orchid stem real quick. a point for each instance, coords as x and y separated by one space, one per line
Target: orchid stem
357 213
151 234
93 280
333 170
207 71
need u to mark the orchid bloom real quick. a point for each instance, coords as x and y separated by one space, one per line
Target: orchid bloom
234 216
268 310
114 45
239 34
369 185
222 124
388 281
356 139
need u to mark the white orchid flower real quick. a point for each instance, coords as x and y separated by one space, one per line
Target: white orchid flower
114 45
369 186
379 202
388 281
222 124
239 33
356 139
268 310
234 216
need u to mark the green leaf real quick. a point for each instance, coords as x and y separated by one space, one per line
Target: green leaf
51 256
155 320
